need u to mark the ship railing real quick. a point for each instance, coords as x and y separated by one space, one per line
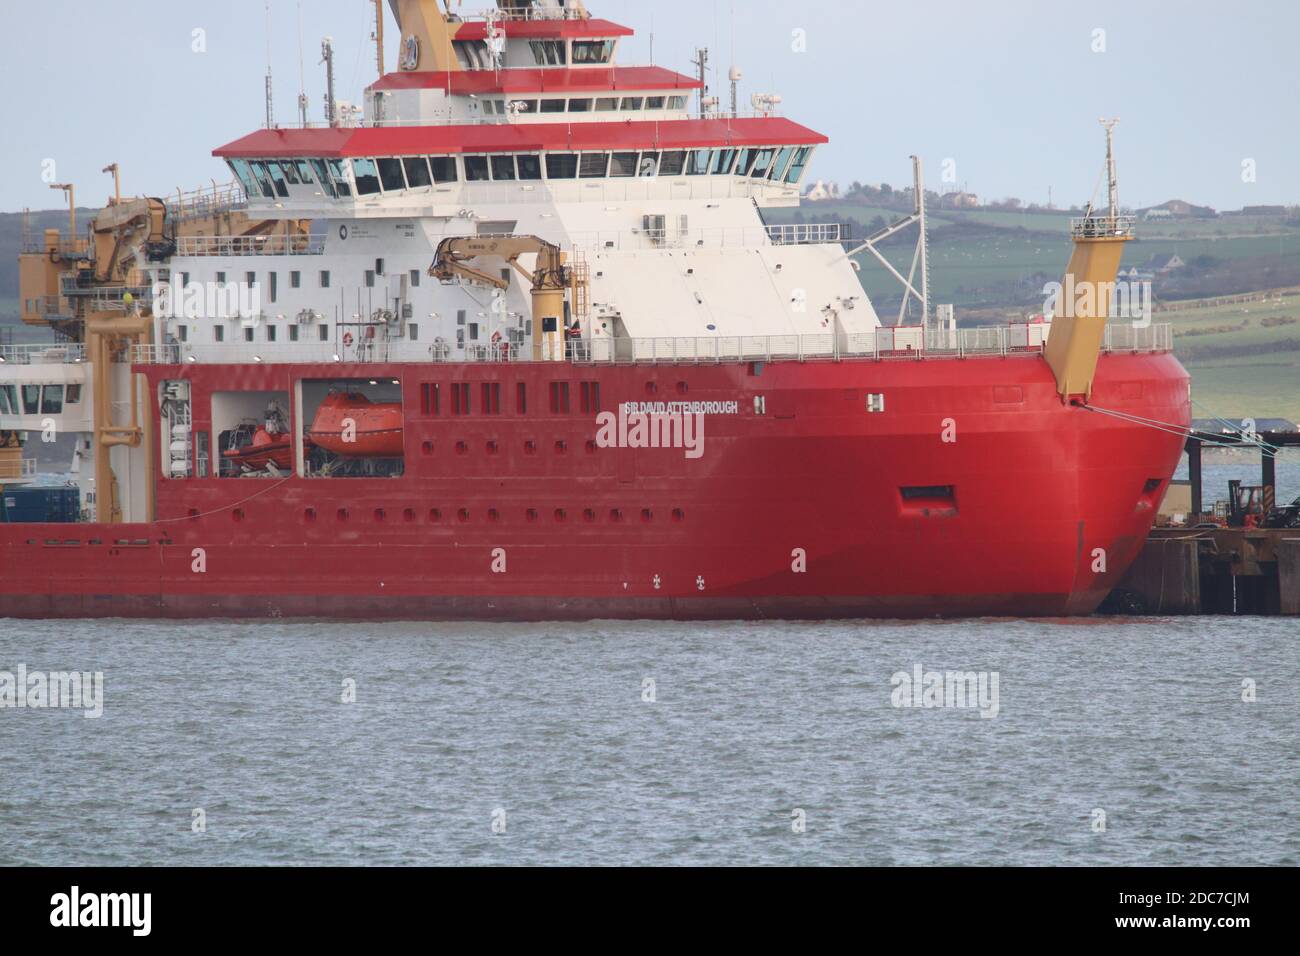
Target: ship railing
36 245
206 201
1102 227
716 237
68 353
276 245
909 343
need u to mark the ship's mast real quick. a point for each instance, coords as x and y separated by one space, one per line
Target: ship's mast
270 104
378 36
327 57
1112 180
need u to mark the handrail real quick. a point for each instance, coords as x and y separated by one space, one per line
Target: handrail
275 245
43 354
888 343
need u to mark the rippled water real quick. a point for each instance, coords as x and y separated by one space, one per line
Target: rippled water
1142 719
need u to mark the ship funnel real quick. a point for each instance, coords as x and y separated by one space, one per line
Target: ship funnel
1083 302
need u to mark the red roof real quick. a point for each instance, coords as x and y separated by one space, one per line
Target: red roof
544 29
520 137
555 80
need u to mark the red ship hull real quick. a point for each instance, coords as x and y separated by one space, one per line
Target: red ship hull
1036 507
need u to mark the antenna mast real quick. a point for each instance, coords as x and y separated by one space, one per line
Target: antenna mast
270 101
302 75
378 36
701 63
327 57
1112 179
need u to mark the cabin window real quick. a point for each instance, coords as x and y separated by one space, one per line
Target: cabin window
270 333
290 172
218 333
632 102
549 52
697 164
73 395
417 172
250 279
460 398
390 174
248 333
293 333
594 165
798 164
367 176
476 169
623 165
370 278
591 397
606 104
762 163
31 399
182 333
553 106
649 165
489 107
503 168
412 332
295 280
492 398
530 166
52 400
443 169
559 398
323 177
722 160
323 333
592 51
654 102
8 400
240 168
431 399
782 159
561 165
339 173
744 160
672 163
379 267
579 105
677 102
523 106
415 278
221 278
273 282
324 278
473 331
521 398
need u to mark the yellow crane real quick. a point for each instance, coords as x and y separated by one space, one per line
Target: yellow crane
549 280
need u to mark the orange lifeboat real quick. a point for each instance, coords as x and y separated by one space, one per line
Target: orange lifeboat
375 430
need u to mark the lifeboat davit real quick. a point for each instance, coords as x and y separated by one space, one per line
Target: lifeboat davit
375 429
263 448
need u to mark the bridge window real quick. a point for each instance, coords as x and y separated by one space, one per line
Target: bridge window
367 176
323 177
624 164
632 102
798 164
524 106
672 163
561 165
677 102
579 105
594 165
52 400
476 169
553 106
697 163
339 173
549 52
503 168
417 172
606 104
530 166
762 163
744 161
278 178
443 168
654 102
73 395
390 174
259 172
592 51
782 158
722 160
290 172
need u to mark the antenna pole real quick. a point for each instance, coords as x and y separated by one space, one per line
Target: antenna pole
923 243
270 104
379 36
327 57
1112 179
701 62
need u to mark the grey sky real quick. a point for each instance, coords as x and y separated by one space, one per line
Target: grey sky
1009 90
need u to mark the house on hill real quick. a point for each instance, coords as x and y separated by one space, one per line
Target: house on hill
821 191
1178 209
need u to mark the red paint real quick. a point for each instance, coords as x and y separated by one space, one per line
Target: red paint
545 29
1037 486
520 137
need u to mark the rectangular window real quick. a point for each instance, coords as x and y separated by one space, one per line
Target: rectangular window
295 280
744 160
366 174
250 279
530 166
221 278
460 316
415 278
762 163
797 165
594 165
324 278
632 102
521 398
579 105
503 168
323 177
248 333
606 104
417 172
622 165
677 102
443 169
654 102
592 51
370 278
559 398
270 333
552 106
293 333
722 160
323 333
698 163
218 333
339 173
782 159
591 397
183 333
491 398
31 399
52 400
379 267
460 398
430 399
390 174
73 396
412 332
8 400
476 169
473 331
561 165
673 162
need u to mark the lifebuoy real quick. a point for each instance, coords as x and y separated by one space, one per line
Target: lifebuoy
347 338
